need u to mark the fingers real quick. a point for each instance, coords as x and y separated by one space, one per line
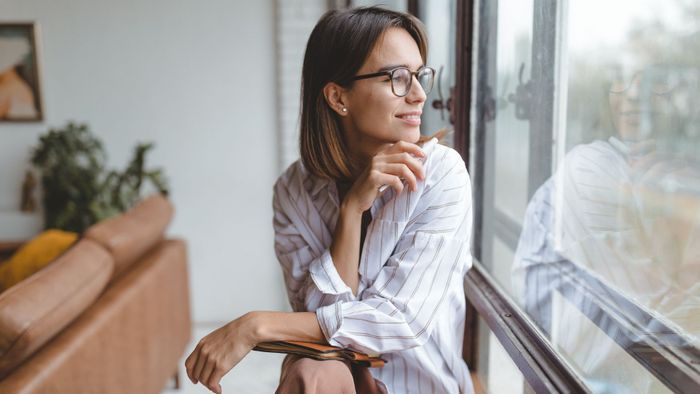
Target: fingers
214 379
403 146
393 181
191 362
413 163
403 172
199 366
379 181
207 370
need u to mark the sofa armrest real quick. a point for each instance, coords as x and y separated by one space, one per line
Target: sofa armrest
36 309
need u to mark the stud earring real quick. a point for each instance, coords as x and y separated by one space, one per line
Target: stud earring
344 109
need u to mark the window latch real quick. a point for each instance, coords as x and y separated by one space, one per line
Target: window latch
522 98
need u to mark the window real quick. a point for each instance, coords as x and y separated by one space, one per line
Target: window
585 158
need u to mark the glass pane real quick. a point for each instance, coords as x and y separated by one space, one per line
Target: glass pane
496 372
440 23
512 128
603 254
626 205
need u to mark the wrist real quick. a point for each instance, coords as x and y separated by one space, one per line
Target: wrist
252 326
349 208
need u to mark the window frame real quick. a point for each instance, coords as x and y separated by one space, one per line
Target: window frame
542 367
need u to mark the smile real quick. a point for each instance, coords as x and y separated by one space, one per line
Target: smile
411 118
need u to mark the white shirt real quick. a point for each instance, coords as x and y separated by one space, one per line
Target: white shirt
410 303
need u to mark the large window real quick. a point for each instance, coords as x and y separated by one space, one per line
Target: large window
585 136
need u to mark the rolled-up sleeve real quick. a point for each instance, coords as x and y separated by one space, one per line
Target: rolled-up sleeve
399 309
309 273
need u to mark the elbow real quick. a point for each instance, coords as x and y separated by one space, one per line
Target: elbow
407 339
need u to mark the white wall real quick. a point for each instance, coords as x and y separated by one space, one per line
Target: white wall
198 79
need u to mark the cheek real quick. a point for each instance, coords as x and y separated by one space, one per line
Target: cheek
615 103
660 104
374 110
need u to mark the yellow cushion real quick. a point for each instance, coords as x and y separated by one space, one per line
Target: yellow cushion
35 255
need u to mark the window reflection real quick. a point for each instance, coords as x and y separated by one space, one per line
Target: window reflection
608 260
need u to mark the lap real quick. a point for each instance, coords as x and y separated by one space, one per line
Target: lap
306 375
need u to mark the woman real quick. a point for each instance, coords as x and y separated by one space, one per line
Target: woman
377 269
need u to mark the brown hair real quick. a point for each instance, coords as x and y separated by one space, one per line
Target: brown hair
337 48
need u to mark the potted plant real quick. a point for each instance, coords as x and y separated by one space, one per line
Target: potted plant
78 190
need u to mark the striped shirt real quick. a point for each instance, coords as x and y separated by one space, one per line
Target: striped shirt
410 303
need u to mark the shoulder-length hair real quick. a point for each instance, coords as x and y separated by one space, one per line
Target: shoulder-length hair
337 48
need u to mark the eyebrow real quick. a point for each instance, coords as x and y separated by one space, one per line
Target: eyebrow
393 66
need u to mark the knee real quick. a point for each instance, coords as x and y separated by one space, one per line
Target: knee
313 376
323 373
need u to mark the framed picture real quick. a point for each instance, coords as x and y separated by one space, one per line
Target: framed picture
20 90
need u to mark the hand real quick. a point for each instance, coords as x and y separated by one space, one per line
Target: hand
390 166
220 351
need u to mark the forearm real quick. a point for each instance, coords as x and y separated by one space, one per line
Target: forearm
345 248
285 326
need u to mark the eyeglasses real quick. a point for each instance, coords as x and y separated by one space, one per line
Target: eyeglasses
658 80
402 78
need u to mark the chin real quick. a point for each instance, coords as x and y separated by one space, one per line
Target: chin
411 136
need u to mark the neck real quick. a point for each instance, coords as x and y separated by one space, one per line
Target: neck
361 153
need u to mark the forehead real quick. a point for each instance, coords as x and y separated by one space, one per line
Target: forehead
395 47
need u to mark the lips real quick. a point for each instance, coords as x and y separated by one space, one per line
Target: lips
413 115
411 119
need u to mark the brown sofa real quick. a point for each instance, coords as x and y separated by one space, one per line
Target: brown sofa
110 315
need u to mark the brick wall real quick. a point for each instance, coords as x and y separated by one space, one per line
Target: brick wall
294 21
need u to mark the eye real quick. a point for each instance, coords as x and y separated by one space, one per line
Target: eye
401 77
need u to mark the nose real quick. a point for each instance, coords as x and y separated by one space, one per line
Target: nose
632 92
416 94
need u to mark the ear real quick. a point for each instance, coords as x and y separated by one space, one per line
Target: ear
335 98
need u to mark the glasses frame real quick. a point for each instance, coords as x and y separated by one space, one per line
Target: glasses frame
390 74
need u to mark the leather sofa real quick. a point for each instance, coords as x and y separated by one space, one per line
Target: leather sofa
110 315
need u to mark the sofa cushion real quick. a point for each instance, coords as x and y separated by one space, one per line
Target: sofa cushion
35 255
130 235
34 310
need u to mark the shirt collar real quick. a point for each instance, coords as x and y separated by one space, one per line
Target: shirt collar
318 184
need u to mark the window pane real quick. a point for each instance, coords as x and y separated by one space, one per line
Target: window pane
496 373
603 254
514 49
440 23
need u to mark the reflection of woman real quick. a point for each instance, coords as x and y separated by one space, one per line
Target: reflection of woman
16 97
401 296
607 211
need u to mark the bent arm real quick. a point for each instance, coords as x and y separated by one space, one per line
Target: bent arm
319 268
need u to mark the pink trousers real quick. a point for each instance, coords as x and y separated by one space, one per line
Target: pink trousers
309 376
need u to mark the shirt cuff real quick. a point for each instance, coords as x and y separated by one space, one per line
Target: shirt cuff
329 319
326 277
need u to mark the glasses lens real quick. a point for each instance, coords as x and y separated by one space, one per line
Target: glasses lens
426 76
401 81
661 81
